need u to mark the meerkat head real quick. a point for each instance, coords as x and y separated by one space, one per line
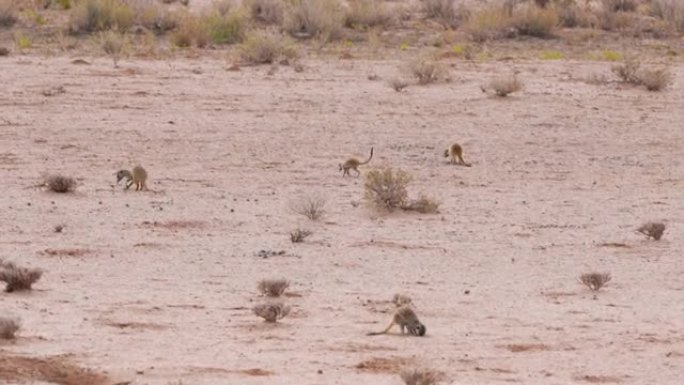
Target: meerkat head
419 330
121 174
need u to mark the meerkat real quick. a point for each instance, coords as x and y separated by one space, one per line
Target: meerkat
456 151
353 164
400 300
407 320
137 177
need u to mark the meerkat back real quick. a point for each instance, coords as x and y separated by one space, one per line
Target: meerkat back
140 178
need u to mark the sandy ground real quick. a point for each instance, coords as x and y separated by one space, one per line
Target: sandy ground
157 287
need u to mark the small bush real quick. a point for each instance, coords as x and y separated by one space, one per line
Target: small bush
489 24
7 13
427 71
299 235
504 85
18 278
619 5
190 32
60 184
155 18
8 327
310 206
627 72
227 28
420 377
385 189
265 48
112 44
364 14
398 84
100 15
535 21
266 11
594 281
672 11
273 287
311 18
271 312
423 205
655 79
445 12
652 230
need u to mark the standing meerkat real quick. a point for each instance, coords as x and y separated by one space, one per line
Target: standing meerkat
407 319
137 177
353 164
456 152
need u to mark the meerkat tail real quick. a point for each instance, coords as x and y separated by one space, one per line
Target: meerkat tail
369 158
382 332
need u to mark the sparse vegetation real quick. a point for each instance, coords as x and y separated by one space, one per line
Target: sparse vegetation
654 79
535 21
154 17
420 376
112 44
8 327
101 15
423 205
266 11
398 84
489 24
504 85
18 278
672 11
299 235
364 14
190 32
427 70
271 312
314 18
627 71
385 189
7 13
266 48
310 206
225 28
60 184
273 287
594 281
652 230
619 5
445 12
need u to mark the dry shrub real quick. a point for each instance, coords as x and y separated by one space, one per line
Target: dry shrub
310 18
100 15
225 28
271 312
427 70
619 5
299 235
489 24
672 11
627 71
364 14
267 11
655 79
8 327
385 189
112 44
504 85
154 17
594 281
60 184
190 32
571 15
266 48
535 21
7 13
18 278
310 206
273 287
398 84
653 230
445 12
420 376
423 205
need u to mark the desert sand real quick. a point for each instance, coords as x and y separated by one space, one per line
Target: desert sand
157 287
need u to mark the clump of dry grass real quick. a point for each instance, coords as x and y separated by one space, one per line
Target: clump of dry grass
154 17
298 235
190 32
652 230
225 28
60 184
627 71
672 11
8 327
619 5
364 14
594 281
112 44
273 287
445 12
18 278
100 15
420 376
310 206
655 79
314 18
535 21
503 85
398 84
271 312
489 24
427 71
7 13
423 205
266 11
385 189
266 48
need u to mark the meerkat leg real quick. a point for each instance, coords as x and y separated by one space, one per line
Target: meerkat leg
129 183
382 332
357 172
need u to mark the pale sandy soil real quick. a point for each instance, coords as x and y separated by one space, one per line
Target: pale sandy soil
161 284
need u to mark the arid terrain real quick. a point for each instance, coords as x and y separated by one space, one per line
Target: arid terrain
157 287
